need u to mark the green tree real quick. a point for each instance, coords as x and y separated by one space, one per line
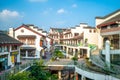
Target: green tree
21 76
37 72
75 59
58 53
40 72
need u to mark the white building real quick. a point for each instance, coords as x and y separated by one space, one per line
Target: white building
109 29
35 40
76 39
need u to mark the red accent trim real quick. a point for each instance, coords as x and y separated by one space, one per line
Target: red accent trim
8 44
29 29
105 24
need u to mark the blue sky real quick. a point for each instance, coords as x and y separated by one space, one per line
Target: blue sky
53 13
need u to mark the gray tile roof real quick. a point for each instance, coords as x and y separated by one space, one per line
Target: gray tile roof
116 18
5 39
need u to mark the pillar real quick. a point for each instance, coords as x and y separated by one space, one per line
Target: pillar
67 52
83 78
63 48
26 54
18 56
9 57
88 52
79 53
59 75
107 55
73 52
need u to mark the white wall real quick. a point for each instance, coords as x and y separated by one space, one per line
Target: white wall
94 75
37 40
92 37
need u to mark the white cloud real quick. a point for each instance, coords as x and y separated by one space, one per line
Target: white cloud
61 11
37 0
47 11
74 5
7 15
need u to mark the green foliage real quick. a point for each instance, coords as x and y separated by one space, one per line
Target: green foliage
58 53
40 72
37 72
92 46
21 76
75 60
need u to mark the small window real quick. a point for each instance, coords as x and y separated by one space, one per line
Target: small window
94 31
22 31
90 31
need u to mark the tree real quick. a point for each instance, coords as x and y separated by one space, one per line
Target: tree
37 72
75 59
40 72
21 76
58 53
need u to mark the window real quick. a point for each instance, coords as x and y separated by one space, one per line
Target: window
76 34
22 30
90 31
94 31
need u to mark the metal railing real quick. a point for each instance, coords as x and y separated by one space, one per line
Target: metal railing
99 60
18 68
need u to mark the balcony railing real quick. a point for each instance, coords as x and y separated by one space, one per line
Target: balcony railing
116 51
18 68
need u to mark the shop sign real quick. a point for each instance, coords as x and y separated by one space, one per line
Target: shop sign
14 53
12 59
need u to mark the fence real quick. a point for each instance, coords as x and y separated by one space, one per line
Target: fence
4 75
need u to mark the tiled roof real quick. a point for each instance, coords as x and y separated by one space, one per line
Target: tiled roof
109 14
5 39
89 27
116 18
111 20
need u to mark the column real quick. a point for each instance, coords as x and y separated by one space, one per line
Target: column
18 56
26 54
73 52
63 48
107 55
88 52
67 52
78 52
83 78
59 75
9 57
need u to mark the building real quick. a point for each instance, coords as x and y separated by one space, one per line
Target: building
9 51
35 40
56 34
76 40
109 29
80 34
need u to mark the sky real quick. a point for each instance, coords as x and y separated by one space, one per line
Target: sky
53 13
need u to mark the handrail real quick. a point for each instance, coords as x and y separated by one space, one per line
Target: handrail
4 75
103 64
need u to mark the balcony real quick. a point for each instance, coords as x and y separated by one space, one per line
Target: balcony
116 51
